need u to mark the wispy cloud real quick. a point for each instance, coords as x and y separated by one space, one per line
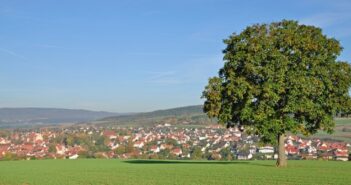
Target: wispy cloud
12 53
195 70
164 77
327 19
336 23
10 11
145 54
48 46
51 46
163 74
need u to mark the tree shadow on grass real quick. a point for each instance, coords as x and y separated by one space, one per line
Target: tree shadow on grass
193 162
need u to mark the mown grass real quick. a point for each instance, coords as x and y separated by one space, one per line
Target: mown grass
343 121
338 134
74 172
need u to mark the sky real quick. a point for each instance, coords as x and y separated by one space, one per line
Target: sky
134 56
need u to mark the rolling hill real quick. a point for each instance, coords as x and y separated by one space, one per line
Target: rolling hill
22 117
189 115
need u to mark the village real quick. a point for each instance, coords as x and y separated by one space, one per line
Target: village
160 142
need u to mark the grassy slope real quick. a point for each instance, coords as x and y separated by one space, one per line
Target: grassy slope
338 133
172 172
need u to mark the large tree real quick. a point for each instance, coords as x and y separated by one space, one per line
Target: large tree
278 78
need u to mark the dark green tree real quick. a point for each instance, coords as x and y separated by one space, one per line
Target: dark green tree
196 153
278 78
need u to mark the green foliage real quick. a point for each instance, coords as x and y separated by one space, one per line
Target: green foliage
226 154
120 150
164 154
9 156
196 153
52 148
85 154
171 141
4 133
259 156
280 77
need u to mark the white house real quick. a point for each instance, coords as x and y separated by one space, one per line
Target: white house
266 150
75 156
60 149
139 144
155 149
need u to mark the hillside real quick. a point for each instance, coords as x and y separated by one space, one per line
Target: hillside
189 115
19 117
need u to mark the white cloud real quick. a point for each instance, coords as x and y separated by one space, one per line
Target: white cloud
12 53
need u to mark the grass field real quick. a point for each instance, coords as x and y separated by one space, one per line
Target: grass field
338 134
107 172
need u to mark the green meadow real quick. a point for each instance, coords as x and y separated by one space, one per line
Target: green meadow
106 172
342 131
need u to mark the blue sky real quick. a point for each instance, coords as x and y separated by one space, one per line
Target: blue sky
131 56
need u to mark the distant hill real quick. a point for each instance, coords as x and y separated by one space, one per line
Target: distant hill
189 115
19 117
29 117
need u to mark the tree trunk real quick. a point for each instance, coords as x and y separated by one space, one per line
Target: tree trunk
281 162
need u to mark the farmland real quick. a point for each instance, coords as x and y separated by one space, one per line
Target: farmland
342 131
73 172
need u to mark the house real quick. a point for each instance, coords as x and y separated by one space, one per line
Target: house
155 149
113 145
341 155
139 144
110 154
310 152
60 149
110 134
34 137
2 153
266 150
202 138
291 150
4 141
177 151
4 149
252 149
166 146
75 156
323 147
38 137
244 155
27 147
326 155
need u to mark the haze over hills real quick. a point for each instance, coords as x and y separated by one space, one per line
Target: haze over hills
27 117
189 115
18 117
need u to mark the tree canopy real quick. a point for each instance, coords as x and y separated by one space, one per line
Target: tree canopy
280 77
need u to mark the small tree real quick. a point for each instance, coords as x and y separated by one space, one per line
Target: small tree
278 78
196 153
